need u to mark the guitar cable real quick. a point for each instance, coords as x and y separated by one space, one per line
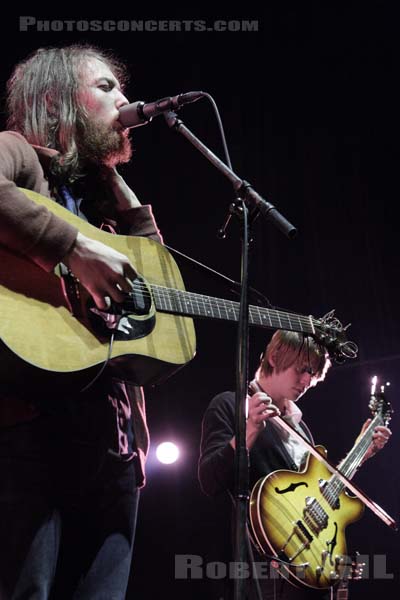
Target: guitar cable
103 366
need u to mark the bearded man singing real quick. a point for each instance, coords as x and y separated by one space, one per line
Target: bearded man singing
71 464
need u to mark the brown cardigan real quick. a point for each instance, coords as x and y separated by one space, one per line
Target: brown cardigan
35 232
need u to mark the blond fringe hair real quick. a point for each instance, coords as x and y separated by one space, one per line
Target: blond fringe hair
288 348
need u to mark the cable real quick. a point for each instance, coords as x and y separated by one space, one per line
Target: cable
105 363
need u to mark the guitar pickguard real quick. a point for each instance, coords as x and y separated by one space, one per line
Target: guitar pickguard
133 319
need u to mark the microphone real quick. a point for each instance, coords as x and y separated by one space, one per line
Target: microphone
141 113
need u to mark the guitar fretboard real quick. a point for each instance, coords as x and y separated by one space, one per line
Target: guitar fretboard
181 302
350 464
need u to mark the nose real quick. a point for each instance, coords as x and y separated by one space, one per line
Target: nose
121 100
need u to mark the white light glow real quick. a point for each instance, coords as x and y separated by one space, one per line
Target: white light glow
167 453
373 385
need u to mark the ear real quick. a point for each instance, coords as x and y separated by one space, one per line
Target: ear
272 361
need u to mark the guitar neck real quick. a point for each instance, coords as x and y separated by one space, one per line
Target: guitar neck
350 464
180 302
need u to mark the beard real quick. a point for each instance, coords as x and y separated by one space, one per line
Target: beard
101 144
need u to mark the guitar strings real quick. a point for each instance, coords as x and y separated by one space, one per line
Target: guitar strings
335 486
172 295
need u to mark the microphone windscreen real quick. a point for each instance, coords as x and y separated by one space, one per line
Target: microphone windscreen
129 115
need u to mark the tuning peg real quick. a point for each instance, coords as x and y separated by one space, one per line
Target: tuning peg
349 349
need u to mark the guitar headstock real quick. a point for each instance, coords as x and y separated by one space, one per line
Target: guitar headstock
330 332
378 403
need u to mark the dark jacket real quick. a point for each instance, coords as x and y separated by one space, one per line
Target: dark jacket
216 464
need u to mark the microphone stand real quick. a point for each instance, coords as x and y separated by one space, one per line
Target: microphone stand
247 198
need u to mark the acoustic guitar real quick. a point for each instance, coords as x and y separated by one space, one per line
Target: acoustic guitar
50 326
300 517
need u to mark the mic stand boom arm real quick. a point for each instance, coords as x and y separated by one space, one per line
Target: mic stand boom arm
242 188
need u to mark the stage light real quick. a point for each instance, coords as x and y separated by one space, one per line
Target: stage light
167 453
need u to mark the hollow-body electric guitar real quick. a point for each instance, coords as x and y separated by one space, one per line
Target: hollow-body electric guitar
300 517
49 324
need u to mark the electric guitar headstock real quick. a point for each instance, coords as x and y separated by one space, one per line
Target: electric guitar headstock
378 403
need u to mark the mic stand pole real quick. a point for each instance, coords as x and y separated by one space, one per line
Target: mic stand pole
248 198
241 451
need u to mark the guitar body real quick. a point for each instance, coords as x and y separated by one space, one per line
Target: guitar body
51 332
42 339
292 520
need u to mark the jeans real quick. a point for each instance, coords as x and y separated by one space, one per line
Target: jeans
68 510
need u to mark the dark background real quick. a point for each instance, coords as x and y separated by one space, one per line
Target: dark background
309 104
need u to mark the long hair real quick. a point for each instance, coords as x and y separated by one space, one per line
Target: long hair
43 101
288 348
